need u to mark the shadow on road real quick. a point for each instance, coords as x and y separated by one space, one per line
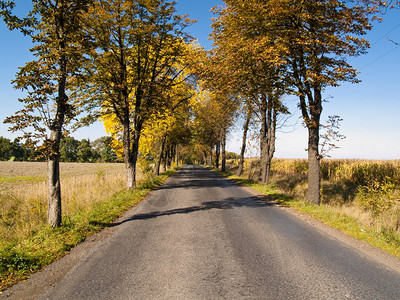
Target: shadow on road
228 203
189 178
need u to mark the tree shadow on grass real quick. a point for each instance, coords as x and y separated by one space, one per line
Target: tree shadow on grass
338 192
281 198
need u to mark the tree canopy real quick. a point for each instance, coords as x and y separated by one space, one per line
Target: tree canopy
132 65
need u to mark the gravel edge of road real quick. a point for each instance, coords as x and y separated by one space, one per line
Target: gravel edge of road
39 283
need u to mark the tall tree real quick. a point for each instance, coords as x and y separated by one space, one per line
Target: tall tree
214 113
103 149
310 40
139 46
56 29
69 149
325 34
243 65
244 139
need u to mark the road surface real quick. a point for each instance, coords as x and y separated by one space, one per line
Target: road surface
201 237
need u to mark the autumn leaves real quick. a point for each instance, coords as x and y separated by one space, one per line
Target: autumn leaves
131 64
265 49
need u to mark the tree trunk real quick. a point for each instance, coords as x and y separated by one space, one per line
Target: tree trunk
271 135
165 160
169 156
130 175
314 175
217 152
160 153
311 113
54 201
223 161
126 141
314 179
263 139
176 155
244 140
135 152
54 215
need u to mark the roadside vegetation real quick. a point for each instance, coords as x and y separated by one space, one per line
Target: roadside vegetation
359 197
93 197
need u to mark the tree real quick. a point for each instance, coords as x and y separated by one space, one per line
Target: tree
68 149
139 46
5 149
214 113
85 153
103 149
244 140
325 32
59 45
245 68
308 41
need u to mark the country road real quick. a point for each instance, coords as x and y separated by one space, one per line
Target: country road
200 236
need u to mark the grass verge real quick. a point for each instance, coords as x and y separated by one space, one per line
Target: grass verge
334 216
19 260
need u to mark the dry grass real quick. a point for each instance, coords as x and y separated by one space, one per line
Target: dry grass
93 195
23 193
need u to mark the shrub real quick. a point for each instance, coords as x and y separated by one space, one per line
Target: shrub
377 197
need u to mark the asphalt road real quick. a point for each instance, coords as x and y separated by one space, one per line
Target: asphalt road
201 237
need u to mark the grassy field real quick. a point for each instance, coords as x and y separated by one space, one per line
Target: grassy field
93 195
359 197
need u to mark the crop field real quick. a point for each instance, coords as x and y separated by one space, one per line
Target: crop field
23 193
93 196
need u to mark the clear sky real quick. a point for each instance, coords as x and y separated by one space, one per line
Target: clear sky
370 109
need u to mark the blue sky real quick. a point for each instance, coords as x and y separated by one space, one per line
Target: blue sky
370 109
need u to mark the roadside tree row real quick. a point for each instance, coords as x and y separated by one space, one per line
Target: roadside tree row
267 49
131 64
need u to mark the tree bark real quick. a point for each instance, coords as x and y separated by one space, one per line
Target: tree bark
54 200
135 152
244 140
176 155
217 152
223 154
271 135
126 141
268 115
263 138
165 159
160 154
169 156
311 113
314 178
314 174
54 215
